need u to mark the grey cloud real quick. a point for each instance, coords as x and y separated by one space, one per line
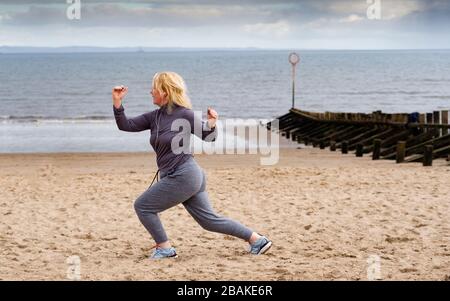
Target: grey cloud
173 15
231 14
169 12
430 21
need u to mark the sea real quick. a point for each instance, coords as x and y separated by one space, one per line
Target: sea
61 102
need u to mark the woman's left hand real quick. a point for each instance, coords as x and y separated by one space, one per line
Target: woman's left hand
212 117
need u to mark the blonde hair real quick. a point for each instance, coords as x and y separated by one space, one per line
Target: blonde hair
172 84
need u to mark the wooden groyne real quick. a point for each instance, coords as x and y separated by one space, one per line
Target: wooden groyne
415 137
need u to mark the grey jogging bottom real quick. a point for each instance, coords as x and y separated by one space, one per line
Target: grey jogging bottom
186 184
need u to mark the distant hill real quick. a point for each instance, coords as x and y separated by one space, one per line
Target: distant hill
88 49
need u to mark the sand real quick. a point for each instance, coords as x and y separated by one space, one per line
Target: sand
327 214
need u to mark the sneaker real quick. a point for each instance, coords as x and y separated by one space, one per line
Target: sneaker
261 246
160 253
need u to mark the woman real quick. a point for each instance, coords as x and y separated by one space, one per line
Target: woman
182 180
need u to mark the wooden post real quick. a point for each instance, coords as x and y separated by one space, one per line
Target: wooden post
344 147
379 115
444 116
428 156
401 147
359 150
376 149
436 119
322 144
422 118
429 120
333 146
405 118
394 117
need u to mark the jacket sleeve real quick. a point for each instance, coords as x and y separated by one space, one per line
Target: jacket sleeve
200 128
137 124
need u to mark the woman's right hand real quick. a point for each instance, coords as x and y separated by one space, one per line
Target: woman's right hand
118 94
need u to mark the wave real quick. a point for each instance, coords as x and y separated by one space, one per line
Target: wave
367 93
53 119
4 119
445 97
432 80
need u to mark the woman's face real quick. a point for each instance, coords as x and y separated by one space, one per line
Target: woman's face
158 98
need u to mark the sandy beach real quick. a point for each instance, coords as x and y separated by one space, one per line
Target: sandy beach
327 214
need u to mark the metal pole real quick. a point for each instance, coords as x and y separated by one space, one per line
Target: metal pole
293 86
294 59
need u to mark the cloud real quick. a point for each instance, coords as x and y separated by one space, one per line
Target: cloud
179 13
392 9
4 17
353 18
278 29
114 14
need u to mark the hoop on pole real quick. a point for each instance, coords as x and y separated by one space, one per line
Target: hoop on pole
294 59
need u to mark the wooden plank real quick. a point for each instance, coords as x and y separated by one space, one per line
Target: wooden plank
428 156
437 153
359 150
436 142
400 136
335 135
344 147
382 135
333 146
391 152
401 146
323 131
422 118
303 128
436 117
444 116
352 142
313 131
294 124
356 130
329 134
376 149
437 120
405 118
429 119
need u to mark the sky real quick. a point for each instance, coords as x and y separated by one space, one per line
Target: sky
282 24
